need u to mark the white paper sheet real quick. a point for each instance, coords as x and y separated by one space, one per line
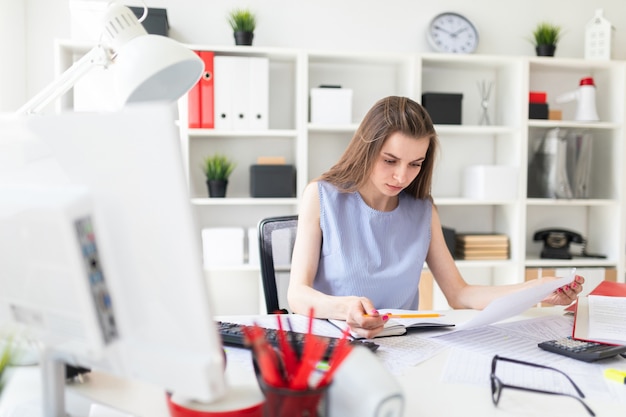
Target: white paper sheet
515 303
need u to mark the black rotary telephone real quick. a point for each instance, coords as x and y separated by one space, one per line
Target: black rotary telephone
556 243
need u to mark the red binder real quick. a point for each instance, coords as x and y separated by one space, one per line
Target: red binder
193 105
207 92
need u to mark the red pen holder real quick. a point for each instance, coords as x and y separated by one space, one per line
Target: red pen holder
286 402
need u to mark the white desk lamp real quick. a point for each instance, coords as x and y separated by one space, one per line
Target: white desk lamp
147 67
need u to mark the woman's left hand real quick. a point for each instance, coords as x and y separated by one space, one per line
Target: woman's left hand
566 294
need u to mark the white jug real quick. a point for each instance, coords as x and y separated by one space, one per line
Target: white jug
586 97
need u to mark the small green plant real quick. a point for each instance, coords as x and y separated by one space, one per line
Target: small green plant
218 167
546 34
242 20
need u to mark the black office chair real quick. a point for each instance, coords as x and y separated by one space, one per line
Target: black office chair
276 239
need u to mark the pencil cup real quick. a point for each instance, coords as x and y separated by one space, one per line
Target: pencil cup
285 402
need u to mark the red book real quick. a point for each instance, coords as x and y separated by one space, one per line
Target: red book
207 92
610 288
193 105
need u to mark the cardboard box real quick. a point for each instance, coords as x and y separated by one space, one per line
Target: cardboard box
443 108
331 106
272 181
490 182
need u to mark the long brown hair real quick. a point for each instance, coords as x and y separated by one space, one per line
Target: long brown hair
389 115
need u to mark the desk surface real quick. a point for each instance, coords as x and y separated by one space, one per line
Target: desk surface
426 392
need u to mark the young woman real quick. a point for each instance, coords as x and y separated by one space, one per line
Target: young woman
368 224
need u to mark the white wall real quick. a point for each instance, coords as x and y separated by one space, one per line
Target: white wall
361 25
12 46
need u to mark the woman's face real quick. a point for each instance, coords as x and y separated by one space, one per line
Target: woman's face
398 163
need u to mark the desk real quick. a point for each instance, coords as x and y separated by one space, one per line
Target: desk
425 392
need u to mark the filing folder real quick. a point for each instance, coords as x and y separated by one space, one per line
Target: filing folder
207 105
241 93
221 69
239 78
259 94
193 103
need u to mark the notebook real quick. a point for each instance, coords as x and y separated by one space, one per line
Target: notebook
399 326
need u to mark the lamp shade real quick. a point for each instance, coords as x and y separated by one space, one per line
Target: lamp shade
155 68
146 67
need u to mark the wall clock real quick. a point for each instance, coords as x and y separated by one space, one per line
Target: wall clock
453 33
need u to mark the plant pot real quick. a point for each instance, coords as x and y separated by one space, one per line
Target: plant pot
217 188
243 38
545 50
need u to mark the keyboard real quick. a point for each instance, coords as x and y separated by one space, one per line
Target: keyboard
232 335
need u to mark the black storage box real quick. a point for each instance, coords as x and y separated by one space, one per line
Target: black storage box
156 21
443 108
538 110
272 180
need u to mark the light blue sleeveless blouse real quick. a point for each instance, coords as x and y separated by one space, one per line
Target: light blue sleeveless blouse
370 253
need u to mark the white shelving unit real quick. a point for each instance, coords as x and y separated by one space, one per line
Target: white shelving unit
507 140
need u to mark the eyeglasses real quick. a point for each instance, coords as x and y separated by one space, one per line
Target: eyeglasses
497 385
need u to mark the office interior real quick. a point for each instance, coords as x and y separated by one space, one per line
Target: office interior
366 30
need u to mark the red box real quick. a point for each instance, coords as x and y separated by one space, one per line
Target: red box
537 97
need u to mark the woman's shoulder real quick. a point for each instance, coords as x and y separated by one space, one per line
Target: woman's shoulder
312 187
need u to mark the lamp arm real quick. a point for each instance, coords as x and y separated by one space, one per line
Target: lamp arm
97 56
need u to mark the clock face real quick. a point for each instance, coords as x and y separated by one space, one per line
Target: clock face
452 33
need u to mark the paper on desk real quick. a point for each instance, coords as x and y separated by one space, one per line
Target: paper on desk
515 303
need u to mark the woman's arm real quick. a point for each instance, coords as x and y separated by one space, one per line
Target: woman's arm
302 296
462 295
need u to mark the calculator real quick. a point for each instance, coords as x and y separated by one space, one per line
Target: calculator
582 350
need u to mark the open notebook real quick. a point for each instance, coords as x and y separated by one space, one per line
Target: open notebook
399 326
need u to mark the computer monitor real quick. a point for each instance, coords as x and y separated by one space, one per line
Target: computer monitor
100 255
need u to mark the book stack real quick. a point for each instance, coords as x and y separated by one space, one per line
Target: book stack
478 246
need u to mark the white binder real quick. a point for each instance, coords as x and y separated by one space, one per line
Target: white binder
222 90
259 94
239 77
241 93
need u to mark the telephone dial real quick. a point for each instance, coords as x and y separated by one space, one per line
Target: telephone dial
556 244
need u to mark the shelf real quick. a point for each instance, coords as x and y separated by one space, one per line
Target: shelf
570 124
568 263
485 263
570 203
271 133
452 201
508 140
232 268
243 201
474 130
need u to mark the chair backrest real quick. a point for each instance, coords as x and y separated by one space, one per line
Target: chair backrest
276 239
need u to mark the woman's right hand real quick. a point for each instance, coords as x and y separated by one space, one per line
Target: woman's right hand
363 318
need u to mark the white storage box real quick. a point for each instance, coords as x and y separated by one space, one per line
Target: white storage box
331 106
223 246
490 182
253 246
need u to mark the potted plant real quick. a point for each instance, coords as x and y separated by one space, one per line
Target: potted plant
243 23
217 168
545 37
